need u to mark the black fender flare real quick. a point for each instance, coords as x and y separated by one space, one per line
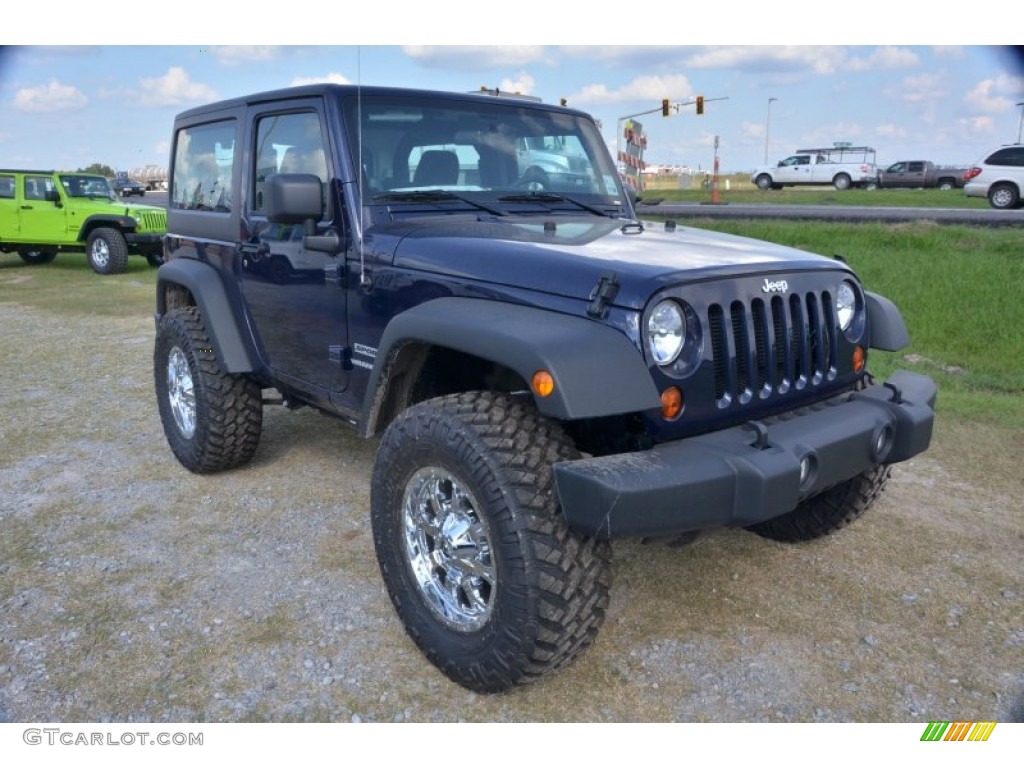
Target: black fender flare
886 327
597 369
234 354
121 223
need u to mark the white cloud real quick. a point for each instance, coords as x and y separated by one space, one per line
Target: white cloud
761 59
475 57
644 88
925 88
232 55
330 77
996 94
891 131
174 88
885 57
52 97
521 83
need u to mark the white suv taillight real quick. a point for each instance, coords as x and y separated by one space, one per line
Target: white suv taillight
970 173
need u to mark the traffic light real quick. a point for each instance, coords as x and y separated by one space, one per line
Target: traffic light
700 105
664 107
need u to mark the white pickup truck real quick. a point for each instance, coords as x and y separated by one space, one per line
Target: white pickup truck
842 167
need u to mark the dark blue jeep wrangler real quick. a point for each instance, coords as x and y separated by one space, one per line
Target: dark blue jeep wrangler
465 276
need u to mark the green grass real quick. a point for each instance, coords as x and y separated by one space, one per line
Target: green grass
959 289
68 287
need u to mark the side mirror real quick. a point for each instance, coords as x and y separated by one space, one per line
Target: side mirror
52 196
293 198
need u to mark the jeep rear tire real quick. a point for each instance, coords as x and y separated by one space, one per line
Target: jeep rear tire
37 255
212 420
106 251
829 511
479 562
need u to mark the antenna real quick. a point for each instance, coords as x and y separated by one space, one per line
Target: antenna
364 280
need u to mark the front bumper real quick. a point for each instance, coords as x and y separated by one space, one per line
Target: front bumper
145 242
747 474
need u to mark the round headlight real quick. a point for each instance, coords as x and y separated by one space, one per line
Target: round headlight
846 304
666 332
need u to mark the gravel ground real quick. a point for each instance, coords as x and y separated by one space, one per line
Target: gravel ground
131 590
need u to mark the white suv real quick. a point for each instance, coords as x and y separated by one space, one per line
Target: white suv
999 177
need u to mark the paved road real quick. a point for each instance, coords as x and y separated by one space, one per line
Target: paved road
983 216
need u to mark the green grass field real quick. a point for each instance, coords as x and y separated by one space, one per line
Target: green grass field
959 288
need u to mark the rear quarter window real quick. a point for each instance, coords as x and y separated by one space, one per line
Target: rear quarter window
1012 156
203 163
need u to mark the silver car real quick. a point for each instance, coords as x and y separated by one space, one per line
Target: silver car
999 177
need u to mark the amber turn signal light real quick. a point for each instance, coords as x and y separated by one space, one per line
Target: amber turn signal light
543 383
858 358
671 403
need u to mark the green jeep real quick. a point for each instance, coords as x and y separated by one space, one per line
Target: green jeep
44 212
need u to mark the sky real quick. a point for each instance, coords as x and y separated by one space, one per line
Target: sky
66 106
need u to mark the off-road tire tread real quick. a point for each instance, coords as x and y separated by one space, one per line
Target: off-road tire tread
829 511
569 575
117 247
229 408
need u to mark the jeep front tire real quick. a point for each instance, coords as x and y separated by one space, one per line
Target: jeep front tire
479 562
212 419
829 511
106 251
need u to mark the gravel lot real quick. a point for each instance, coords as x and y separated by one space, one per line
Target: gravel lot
131 590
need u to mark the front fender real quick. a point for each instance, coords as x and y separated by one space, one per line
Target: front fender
597 370
207 288
885 323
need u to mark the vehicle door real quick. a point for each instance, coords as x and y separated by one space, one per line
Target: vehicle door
893 176
8 207
295 295
795 169
41 214
914 176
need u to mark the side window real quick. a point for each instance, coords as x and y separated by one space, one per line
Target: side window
36 187
916 167
6 187
289 143
1013 156
203 161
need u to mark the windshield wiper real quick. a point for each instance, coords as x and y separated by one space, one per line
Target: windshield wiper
551 197
434 196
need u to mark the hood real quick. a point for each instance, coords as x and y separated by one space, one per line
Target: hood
566 256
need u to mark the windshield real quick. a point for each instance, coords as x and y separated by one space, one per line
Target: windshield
86 186
478 150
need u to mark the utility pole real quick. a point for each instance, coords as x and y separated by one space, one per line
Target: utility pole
768 128
1021 123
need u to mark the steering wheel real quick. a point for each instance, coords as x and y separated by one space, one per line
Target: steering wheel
534 179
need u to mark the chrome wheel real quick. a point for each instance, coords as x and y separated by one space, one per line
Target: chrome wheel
181 392
448 547
100 253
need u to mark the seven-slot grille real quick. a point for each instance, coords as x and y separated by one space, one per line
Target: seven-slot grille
770 346
155 221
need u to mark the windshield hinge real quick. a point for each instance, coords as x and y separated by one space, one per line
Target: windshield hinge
604 293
